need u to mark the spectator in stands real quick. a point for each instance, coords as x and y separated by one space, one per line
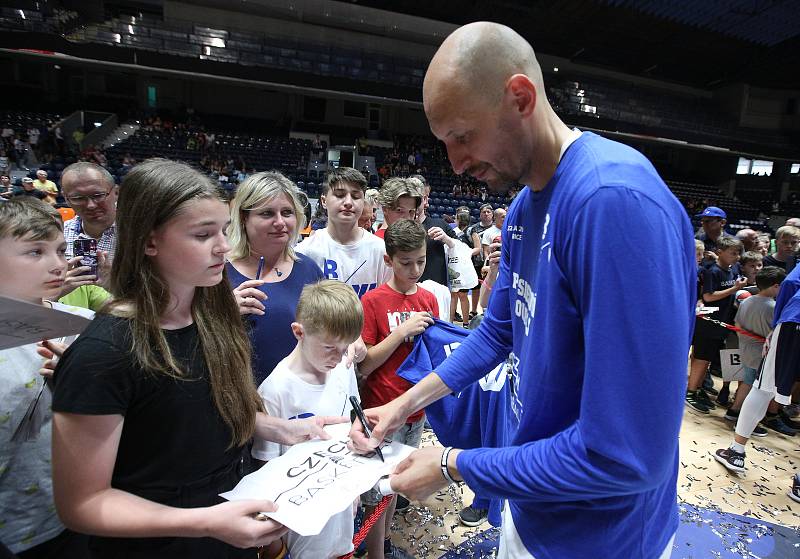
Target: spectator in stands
266 219
793 221
712 221
46 186
720 284
77 139
750 264
400 198
33 138
58 136
496 230
749 239
787 241
4 163
440 234
6 188
28 189
21 151
128 162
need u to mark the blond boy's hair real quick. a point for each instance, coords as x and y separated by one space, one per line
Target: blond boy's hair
699 245
787 230
330 307
395 187
30 219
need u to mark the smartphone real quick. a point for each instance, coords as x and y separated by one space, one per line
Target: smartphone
87 250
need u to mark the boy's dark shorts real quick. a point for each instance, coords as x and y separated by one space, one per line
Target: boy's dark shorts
708 339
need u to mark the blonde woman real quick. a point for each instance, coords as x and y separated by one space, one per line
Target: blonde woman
266 219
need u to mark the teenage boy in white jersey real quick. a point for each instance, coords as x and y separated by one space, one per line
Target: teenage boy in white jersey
343 250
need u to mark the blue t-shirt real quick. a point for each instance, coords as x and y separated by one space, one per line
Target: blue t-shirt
592 470
481 415
271 335
787 303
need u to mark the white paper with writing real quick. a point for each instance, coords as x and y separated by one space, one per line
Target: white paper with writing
316 479
23 323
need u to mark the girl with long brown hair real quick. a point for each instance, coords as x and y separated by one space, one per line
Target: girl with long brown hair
155 404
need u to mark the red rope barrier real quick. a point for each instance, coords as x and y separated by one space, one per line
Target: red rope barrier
368 524
734 328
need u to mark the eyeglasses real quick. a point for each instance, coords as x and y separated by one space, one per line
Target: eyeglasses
84 200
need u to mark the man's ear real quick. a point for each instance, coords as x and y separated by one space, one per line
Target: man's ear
322 200
387 260
298 330
523 93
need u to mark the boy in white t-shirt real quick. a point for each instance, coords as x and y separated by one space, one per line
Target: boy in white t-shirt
315 380
343 250
32 269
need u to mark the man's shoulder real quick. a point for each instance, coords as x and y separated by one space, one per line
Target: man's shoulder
594 163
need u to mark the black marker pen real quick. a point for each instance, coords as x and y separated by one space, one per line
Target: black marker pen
363 419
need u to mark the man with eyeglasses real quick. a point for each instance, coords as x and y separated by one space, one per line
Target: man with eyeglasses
89 189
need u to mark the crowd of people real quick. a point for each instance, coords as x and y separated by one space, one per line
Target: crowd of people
742 282
220 337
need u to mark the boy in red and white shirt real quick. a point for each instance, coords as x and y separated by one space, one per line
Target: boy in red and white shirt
394 313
